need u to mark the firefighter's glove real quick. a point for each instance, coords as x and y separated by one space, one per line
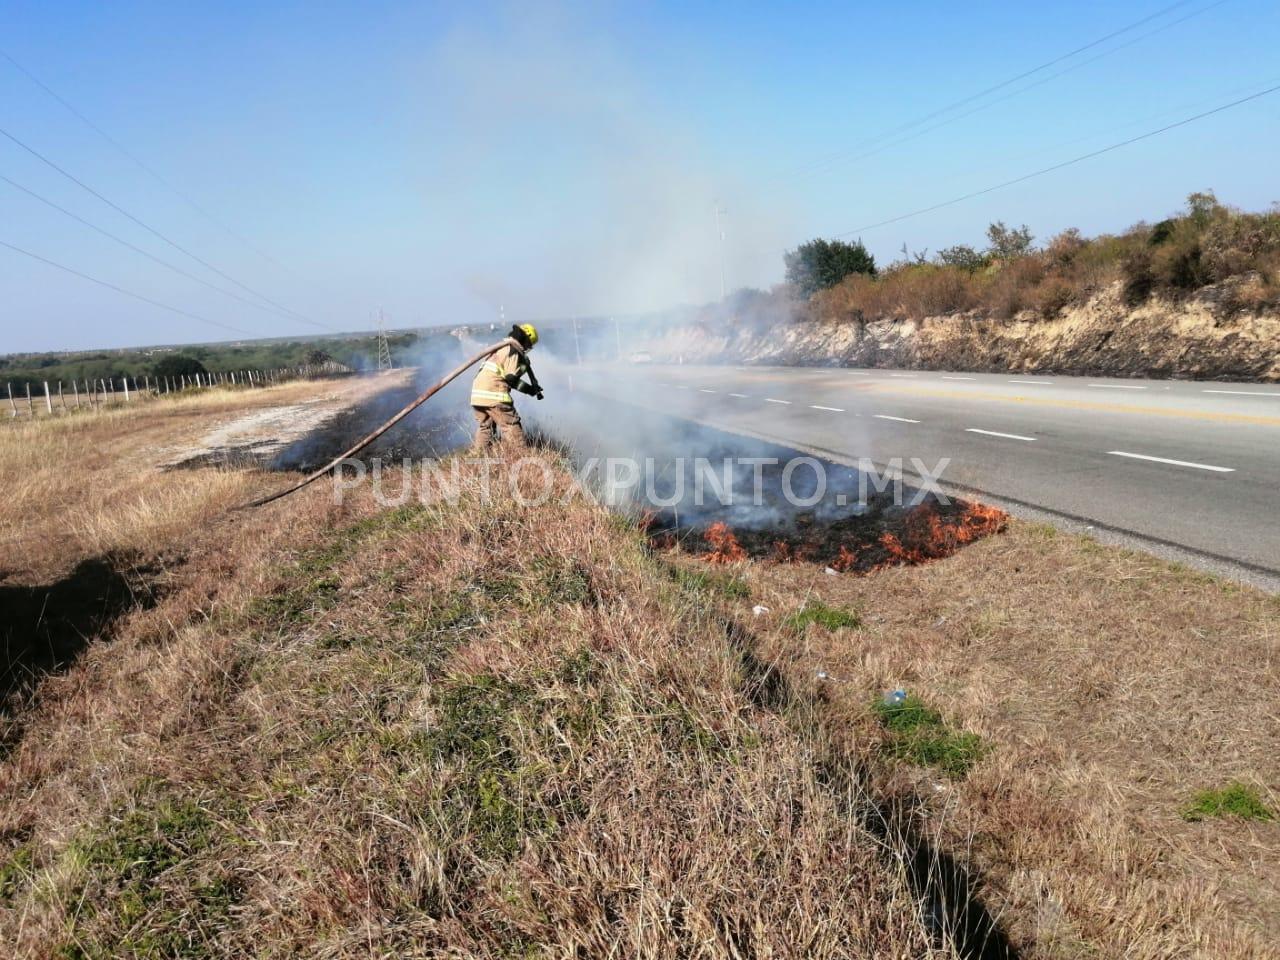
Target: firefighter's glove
528 390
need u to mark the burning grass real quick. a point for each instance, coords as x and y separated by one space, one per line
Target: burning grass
858 544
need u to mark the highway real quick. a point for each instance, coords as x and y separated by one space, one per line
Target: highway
1186 469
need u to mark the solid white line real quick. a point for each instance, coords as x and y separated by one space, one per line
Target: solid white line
1245 393
993 433
740 396
885 416
832 409
959 378
1043 383
1116 386
771 400
1176 463
705 390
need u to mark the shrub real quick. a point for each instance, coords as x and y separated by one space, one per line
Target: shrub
1208 243
177 365
1012 288
821 264
1139 277
1008 243
964 257
1053 297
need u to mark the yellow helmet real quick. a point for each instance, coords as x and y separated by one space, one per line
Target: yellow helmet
531 332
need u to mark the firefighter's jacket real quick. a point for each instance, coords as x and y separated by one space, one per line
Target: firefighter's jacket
490 386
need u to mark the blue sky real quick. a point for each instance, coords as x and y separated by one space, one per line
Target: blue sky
442 160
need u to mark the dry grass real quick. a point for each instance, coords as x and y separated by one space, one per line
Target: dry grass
88 484
350 731
344 730
1112 690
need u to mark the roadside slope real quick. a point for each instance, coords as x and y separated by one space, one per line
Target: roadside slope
435 730
1197 338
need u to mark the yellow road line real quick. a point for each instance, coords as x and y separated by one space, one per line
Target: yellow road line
1090 405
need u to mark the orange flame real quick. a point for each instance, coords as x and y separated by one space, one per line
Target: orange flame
724 545
846 560
927 536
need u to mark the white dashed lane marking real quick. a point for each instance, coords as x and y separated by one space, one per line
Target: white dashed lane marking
1042 383
1246 393
771 400
959 378
832 409
705 390
1116 386
905 376
885 416
994 433
1176 463
740 396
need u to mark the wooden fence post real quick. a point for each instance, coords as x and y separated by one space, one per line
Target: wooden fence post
125 381
76 390
31 412
13 407
62 397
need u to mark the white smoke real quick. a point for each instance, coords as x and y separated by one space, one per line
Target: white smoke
552 131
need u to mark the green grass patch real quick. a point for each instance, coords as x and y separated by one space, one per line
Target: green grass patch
1234 800
493 793
548 581
919 735
704 582
149 891
15 872
832 618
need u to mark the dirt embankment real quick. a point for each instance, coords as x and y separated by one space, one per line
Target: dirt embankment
1199 338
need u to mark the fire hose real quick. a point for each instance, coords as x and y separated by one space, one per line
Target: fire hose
370 437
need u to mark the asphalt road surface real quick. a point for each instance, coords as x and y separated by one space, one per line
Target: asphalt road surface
1185 468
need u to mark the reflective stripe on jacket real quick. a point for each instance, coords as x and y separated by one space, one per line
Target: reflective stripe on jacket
489 387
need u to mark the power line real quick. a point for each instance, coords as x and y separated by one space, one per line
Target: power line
136 249
1003 83
150 171
1066 163
1021 90
127 293
150 229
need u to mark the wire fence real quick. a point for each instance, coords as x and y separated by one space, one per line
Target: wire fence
55 398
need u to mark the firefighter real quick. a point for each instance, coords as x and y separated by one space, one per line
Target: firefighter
491 389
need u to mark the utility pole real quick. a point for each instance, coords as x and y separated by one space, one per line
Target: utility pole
720 211
577 349
384 349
